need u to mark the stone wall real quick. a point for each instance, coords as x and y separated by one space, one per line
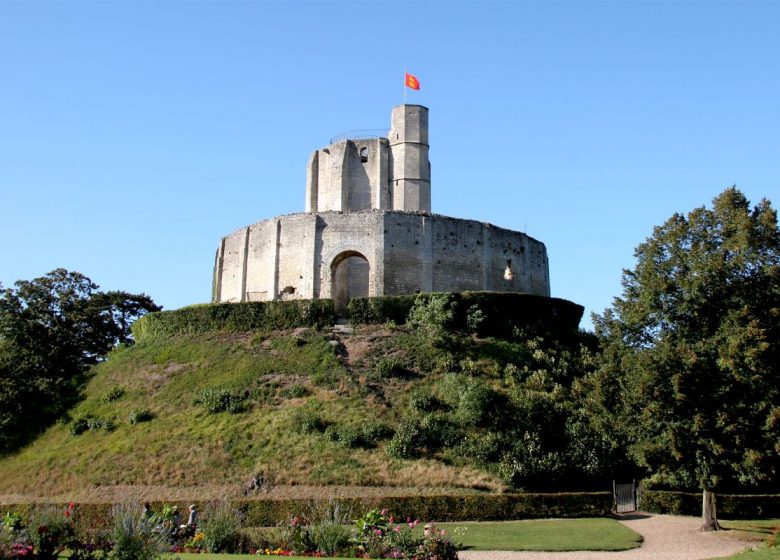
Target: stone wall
373 252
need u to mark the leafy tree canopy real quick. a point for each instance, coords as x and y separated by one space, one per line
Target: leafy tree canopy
52 329
690 372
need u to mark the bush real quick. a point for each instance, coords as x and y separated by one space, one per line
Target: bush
307 421
294 392
114 393
138 416
436 546
105 424
481 448
729 506
476 405
221 527
422 401
133 538
83 423
248 316
345 436
407 439
389 367
439 431
475 318
79 425
432 314
500 314
221 400
374 432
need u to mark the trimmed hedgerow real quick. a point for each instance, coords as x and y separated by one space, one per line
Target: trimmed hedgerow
249 316
485 507
474 507
498 313
730 506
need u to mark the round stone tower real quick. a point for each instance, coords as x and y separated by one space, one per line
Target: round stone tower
411 169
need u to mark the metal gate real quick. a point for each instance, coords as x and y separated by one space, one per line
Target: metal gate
625 496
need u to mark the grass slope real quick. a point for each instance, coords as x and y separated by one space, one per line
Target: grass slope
279 376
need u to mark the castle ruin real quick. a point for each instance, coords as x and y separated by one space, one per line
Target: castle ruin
368 230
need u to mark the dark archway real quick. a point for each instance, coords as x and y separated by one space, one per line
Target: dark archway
350 273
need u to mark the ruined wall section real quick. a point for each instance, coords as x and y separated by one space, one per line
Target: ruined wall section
404 254
384 253
341 235
263 252
350 175
457 247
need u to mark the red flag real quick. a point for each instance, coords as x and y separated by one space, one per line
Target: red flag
412 82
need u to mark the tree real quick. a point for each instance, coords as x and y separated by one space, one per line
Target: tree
692 348
51 330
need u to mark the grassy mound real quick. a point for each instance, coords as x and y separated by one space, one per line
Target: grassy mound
194 412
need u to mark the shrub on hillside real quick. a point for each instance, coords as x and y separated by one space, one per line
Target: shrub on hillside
389 367
374 432
432 315
82 424
439 431
422 401
307 421
248 316
294 392
406 441
221 400
475 407
345 436
114 393
137 416
475 318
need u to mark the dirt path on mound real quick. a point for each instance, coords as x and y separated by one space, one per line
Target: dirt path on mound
666 537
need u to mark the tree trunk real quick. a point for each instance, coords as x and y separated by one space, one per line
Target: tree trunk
709 516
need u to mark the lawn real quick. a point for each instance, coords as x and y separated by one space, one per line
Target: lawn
755 529
547 534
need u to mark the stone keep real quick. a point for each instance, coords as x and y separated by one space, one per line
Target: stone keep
368 231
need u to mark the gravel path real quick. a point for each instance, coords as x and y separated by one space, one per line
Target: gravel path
666 537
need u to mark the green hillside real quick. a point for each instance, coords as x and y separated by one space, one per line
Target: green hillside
384 406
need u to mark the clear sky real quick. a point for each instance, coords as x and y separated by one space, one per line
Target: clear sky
134 135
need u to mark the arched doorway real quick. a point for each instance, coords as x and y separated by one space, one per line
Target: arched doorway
350 274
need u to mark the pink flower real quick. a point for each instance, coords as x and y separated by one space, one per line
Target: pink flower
391 520
383 512
411 525
397 529
378 532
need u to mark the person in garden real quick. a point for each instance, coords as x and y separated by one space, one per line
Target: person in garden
192 521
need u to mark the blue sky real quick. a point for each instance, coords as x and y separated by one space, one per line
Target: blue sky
134 135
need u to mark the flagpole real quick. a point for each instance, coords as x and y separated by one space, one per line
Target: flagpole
405 71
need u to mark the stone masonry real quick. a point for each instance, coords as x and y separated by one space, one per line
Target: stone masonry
368 231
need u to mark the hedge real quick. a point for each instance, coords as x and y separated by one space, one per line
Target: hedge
256 315
729 506
503 311
473 507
